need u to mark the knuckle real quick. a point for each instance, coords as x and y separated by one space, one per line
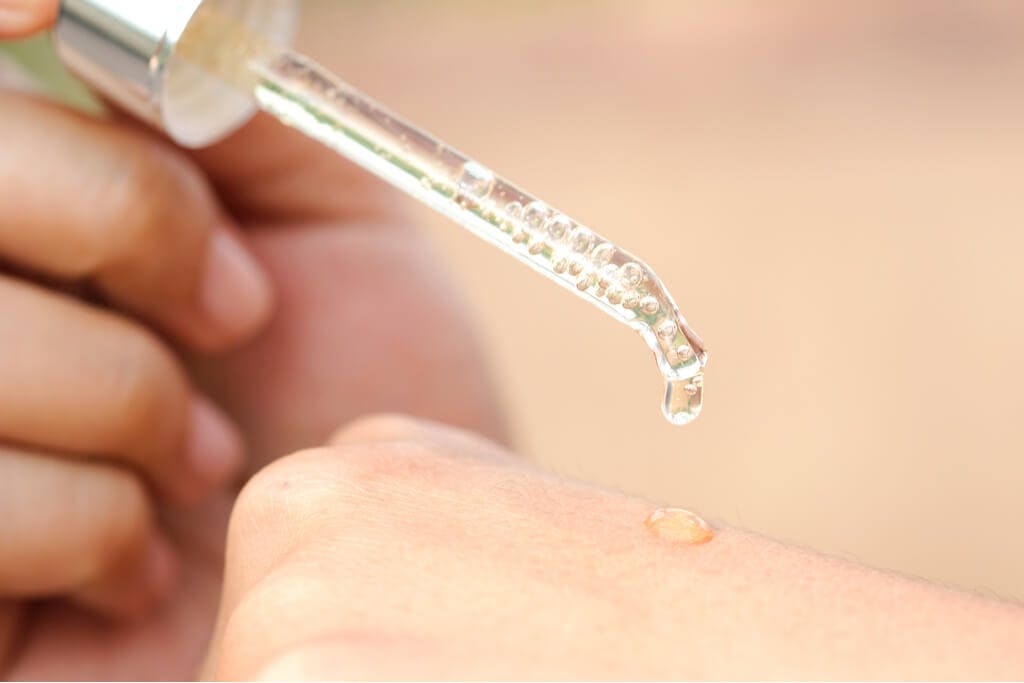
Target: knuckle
274 496
280 507
121 516
277 481
145 392
314 484
145 189
338 493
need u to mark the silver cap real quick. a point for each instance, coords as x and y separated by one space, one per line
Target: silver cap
126 49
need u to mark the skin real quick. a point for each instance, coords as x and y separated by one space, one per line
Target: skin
20 18
413 551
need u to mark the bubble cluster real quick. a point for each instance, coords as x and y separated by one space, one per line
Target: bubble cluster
598 268
571 250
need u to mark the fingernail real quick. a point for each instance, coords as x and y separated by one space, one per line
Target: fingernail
158 576
235 294
213 450
146 579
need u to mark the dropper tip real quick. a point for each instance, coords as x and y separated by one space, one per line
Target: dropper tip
684 399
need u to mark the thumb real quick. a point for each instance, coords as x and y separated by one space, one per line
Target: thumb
20 18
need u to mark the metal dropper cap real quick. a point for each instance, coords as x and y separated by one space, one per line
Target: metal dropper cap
127 50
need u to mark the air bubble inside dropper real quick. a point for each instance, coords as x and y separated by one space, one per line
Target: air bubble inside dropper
304 95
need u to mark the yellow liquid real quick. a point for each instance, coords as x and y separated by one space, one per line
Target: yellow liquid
679 526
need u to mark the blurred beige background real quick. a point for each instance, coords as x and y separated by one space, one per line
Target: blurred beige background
833 191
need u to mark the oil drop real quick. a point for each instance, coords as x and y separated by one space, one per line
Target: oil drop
679 526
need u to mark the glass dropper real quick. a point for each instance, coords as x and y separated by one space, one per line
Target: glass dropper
306 96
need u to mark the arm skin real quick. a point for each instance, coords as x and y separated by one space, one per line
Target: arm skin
406 550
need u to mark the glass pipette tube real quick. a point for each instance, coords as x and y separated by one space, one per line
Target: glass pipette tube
306 96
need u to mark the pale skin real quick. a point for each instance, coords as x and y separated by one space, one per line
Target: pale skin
410 551
403 549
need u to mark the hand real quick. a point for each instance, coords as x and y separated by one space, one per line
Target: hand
96 408
408 551
366 320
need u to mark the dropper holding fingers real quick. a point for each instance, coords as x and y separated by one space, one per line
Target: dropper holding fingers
309 98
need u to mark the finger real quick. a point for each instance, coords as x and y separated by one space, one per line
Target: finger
19 18
83 198
79 528
271 170
79 380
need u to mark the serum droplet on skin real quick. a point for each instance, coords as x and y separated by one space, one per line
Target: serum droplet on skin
677 525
